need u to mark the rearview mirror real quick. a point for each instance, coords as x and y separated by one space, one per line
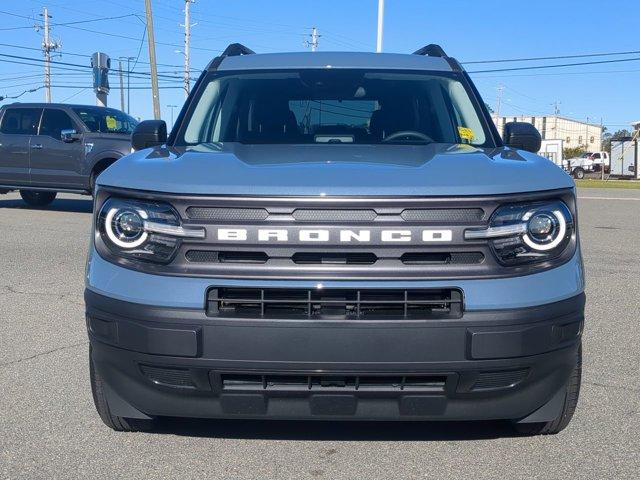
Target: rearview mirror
69 136
522 136
149 133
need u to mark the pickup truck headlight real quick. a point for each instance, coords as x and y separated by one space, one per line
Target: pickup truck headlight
140 230
528 233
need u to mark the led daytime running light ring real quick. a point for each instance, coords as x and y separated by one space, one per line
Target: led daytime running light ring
562 230
108 222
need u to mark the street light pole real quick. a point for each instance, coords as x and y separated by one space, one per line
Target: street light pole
172 107
380 25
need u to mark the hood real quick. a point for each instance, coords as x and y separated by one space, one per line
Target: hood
335 170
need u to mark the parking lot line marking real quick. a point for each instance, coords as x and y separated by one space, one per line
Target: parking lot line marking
633 199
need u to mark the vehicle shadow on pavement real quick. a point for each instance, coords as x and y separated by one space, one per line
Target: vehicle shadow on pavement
72 205
340 431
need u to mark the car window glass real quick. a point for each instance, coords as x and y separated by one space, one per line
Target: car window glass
54 121
21 121
346 106
105 120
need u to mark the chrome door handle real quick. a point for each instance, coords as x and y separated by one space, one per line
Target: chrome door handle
37 146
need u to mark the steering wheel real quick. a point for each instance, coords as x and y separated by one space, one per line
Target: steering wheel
409 134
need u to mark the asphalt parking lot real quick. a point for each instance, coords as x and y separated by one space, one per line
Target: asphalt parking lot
49 429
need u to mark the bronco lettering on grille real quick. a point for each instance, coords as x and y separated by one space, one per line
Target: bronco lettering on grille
276 235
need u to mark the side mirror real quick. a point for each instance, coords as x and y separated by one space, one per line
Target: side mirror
149 133
522 136
69 136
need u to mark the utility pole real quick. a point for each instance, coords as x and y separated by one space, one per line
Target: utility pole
314 39
155 93
380 25
48 46
120 72
187 38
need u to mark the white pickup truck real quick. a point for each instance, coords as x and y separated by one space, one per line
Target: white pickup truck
588 162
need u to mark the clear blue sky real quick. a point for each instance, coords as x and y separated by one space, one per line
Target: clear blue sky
468 29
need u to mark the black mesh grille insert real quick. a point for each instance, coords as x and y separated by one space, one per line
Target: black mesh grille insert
446 215
323 383
494 380
227 214
337 258
212 256
334 304
444 258
170 377
337 216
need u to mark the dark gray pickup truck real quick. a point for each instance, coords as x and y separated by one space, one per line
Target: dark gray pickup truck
47 148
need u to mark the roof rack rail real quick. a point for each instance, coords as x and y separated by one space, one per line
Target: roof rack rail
233 50
434 50
431 50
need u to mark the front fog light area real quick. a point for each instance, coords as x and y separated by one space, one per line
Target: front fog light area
528 233
127 229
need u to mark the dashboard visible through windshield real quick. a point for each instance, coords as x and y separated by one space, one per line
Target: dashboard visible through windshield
332 106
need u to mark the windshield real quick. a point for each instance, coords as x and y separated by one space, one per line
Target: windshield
332 106
106 120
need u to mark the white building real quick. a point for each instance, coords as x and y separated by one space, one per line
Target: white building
573 133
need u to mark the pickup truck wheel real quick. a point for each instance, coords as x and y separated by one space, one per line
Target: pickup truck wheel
578 173
37 199
569 407
119 424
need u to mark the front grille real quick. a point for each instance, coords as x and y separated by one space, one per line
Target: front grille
318 239
332 383
334 304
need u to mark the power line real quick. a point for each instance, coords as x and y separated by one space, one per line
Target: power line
65 24
55 62
557 57
536 67
75 54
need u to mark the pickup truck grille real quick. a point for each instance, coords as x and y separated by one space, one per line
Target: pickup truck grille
334 304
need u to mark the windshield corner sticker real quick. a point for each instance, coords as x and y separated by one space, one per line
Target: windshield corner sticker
466 133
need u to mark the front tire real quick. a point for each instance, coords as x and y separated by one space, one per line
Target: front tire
578 173
119 424
558 424
37 199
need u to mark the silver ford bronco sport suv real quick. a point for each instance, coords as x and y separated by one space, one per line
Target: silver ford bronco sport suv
47 148
339 236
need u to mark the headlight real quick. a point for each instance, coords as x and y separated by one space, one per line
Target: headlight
528 233
142 230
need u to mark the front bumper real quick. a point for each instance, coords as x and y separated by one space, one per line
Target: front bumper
491 364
